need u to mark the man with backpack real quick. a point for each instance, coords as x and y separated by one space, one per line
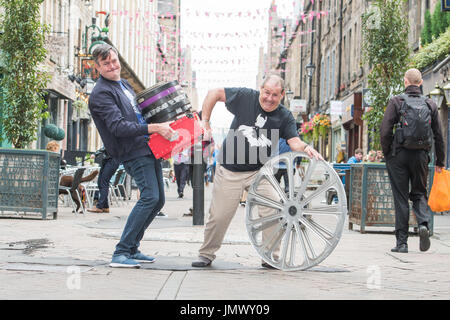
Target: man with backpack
409 124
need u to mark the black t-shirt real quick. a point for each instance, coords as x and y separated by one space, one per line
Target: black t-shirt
253 131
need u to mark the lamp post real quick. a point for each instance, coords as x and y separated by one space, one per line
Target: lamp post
438 95
310 67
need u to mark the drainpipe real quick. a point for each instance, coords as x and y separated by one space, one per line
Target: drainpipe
319 58
311 62
340 48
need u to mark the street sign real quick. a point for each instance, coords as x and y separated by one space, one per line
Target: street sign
297 105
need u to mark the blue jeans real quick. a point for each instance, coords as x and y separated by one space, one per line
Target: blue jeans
147 173
109 167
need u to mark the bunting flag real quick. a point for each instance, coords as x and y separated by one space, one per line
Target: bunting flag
213 52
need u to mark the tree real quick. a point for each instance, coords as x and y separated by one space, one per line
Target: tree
385 48
22 52
436 22
425 35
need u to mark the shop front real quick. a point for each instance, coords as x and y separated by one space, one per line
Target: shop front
352 122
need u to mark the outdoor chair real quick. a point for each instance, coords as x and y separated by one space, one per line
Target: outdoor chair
72 191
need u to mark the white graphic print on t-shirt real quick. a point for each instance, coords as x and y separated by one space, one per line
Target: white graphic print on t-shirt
250 133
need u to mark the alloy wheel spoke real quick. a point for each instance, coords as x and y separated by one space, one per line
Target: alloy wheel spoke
315 230
258 199
319 191
308 175
327 210
274 183
302 243
286 238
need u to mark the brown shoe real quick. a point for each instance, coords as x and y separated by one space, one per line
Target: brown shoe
95 210
106 210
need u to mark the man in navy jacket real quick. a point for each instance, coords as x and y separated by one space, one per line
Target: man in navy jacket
125 135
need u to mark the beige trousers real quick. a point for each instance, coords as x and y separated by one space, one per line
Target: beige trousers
227 191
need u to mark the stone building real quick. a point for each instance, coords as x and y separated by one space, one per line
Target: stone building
168 41
66 20
188 78
76 27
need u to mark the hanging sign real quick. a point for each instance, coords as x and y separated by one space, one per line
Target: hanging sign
88 69
297 105
336 108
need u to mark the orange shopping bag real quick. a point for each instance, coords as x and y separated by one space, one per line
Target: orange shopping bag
439 199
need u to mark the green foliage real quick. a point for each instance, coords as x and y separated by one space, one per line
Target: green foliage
434 51
438 22
22 50
385 47
81 105
434 25
425 35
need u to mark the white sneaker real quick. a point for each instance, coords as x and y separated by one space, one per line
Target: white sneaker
161 215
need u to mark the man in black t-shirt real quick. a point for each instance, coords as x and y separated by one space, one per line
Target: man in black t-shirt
259 121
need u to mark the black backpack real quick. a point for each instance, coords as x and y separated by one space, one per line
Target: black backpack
414 129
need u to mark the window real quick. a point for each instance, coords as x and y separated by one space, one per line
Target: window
327 91
322 81
349 54
333 89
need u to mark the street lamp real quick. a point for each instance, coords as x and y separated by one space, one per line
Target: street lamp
310 69
447 92
437 96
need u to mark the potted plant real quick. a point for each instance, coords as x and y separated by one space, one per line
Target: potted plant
28 178
306 130
322 124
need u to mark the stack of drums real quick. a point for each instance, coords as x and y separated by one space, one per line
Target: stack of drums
163 102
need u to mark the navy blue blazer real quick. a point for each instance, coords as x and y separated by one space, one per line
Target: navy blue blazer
123 136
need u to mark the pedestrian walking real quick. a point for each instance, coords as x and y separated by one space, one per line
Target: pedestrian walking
415 119
258 118
181 168
125 135
108 167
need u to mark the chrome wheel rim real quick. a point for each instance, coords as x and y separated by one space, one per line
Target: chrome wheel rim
305 229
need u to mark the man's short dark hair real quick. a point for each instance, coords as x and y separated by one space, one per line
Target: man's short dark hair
103 52
273 75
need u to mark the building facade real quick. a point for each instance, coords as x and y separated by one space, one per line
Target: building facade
325 37
168 42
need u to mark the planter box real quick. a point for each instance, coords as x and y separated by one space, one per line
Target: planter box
371 199
29 182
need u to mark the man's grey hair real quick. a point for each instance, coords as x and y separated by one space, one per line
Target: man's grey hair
103 52
276 77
